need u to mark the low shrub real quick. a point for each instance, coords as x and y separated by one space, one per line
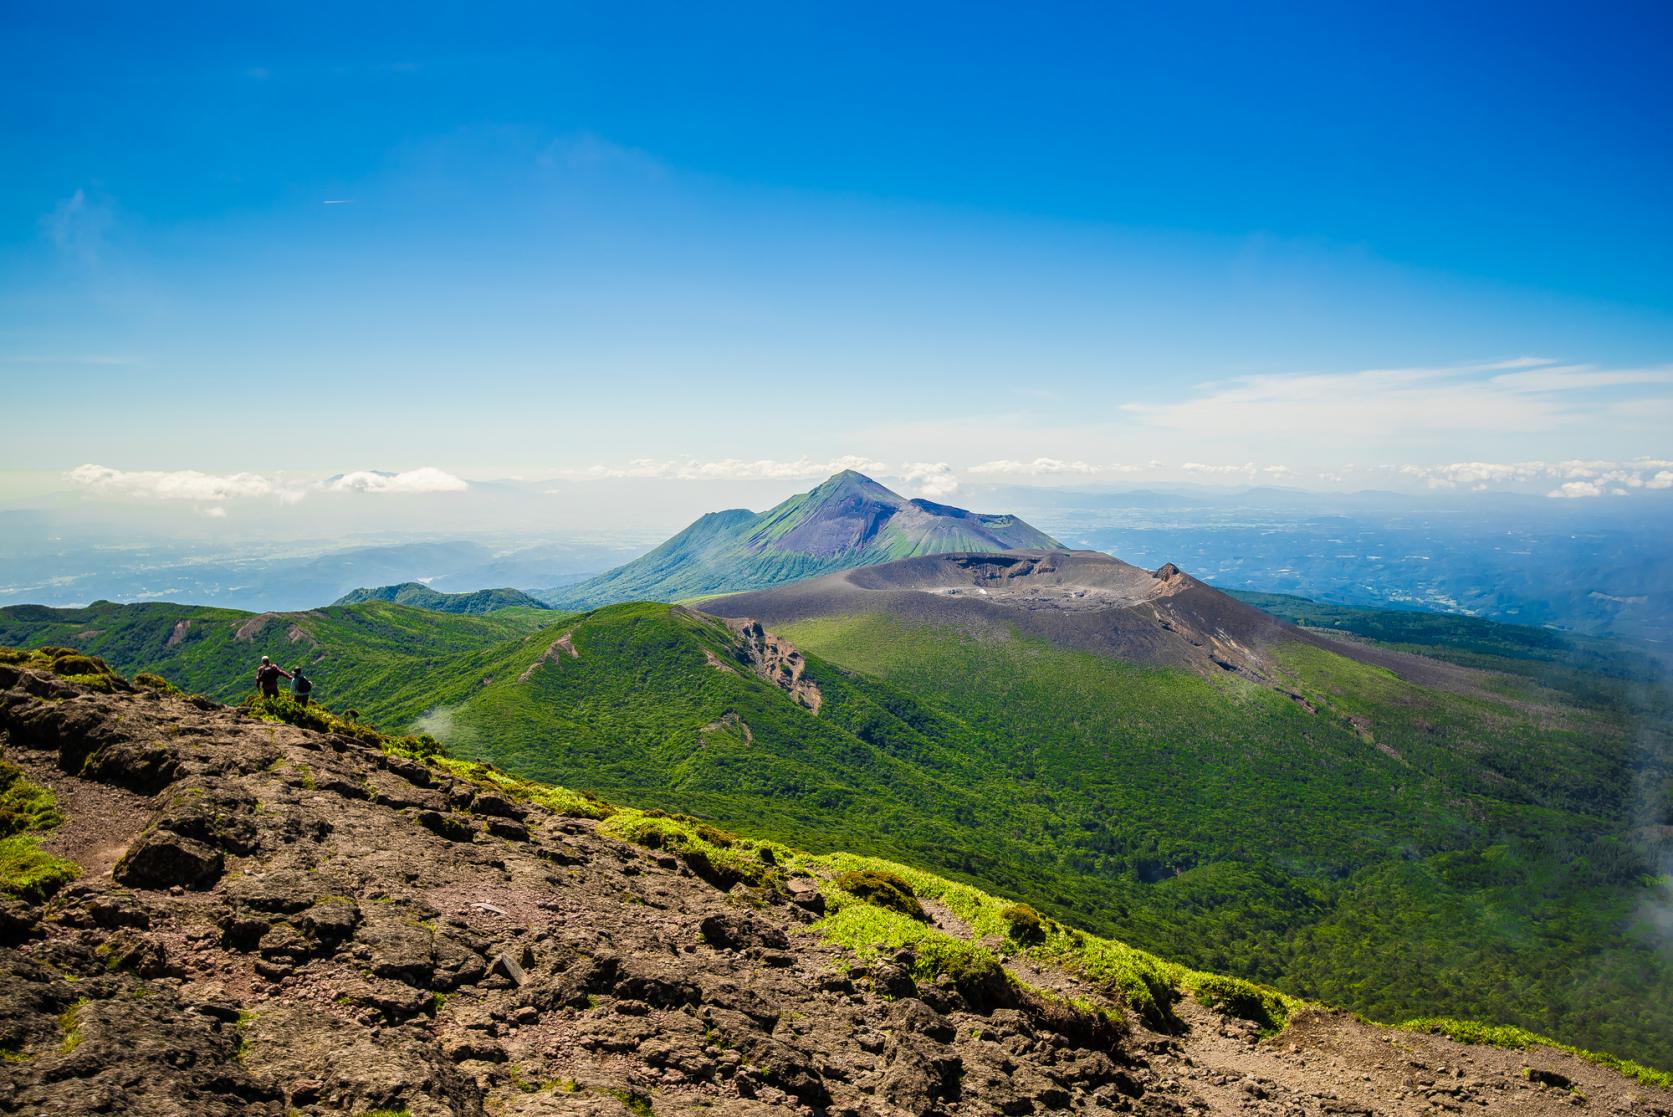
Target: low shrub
74 663
1024 925
148 681
715 836
1265 1007
885 889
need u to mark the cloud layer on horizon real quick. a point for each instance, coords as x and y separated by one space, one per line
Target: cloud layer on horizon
194 486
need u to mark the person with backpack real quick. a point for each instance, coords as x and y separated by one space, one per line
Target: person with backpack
267 677
299 685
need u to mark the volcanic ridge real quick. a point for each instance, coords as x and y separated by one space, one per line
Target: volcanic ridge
849 520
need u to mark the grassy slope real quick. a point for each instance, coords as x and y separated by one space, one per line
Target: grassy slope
1470 858
1122 978
1485 867
1476 868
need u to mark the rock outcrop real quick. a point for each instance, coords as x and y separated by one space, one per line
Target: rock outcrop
299 922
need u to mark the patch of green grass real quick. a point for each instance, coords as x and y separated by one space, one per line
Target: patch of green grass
1145 983
69 1025
635 1102
26 810
149 681
1520 1039
754 863
24 805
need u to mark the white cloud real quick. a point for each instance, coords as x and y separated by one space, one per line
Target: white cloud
1520 396
729 469
1058 467
426 479
79 227
1571 378
587 153
1582 477
1248 469
1662 480
1476 475
217 489
930 480
182 484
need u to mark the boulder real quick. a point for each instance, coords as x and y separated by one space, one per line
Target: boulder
163 859
730 930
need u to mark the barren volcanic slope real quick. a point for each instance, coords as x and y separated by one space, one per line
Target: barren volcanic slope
271 919
848 521
1085 600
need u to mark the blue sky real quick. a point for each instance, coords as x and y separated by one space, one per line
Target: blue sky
1330 245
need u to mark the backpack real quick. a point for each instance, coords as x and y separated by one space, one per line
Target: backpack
301 685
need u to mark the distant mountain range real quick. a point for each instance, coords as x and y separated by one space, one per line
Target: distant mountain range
848 521
420 596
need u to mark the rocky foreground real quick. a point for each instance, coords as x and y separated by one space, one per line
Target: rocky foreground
274 920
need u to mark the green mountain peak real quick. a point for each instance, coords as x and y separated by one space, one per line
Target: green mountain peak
848 520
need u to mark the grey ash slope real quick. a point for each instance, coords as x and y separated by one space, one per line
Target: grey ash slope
848 521
1085 600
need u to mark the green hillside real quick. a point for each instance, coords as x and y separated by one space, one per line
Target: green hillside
420 596
381 658
1404 851
849 520
984 946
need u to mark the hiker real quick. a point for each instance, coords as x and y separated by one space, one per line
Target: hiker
299 686
267 677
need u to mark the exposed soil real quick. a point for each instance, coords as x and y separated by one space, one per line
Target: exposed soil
774 659
555 652
303 924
